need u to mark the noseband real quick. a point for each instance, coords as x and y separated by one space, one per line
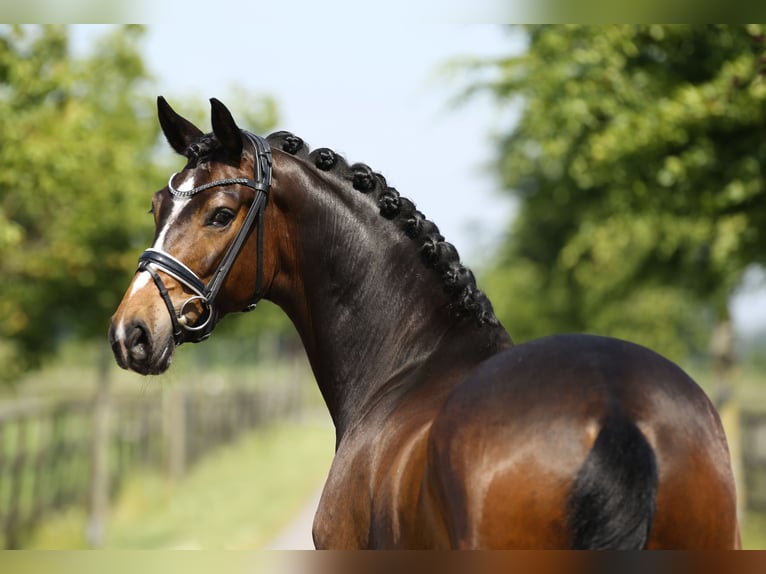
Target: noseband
153 259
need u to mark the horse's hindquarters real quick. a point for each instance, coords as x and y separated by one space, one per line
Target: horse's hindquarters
696 500
511 441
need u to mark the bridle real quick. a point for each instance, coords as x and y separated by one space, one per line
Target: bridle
153 259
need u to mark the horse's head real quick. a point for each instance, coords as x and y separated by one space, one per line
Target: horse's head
208 257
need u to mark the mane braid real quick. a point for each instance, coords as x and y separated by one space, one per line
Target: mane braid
437 254
203 148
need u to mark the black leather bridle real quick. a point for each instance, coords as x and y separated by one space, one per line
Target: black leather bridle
153 259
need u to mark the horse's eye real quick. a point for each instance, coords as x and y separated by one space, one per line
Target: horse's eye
221 217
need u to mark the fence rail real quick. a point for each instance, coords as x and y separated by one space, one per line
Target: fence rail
53 455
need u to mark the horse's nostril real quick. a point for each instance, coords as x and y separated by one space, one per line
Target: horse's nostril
138 343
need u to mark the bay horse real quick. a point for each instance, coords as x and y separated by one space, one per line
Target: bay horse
447 434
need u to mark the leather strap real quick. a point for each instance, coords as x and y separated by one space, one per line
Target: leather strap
153 259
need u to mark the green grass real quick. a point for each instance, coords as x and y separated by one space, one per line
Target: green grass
239 497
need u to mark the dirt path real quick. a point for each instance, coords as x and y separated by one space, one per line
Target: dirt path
297 534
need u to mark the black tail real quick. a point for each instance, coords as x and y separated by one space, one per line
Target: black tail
612 503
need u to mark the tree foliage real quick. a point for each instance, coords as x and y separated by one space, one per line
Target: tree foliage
638 164
79 146
75 146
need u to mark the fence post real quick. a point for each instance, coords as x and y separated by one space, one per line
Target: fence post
175 432
13 534
95 529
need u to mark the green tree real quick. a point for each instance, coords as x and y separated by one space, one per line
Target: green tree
75 144
81 156
638 164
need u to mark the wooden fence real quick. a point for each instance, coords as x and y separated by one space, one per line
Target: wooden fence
49 452
76 452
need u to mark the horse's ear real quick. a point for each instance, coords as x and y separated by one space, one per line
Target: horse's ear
179 131
225 129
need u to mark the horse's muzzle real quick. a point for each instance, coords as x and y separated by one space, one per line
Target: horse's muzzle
134 349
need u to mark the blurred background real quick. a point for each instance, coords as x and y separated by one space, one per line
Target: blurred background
603 179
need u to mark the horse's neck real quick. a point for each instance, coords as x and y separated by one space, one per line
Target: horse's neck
370 314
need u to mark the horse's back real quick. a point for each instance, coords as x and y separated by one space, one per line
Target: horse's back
536 446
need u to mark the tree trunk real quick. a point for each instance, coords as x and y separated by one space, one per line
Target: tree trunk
722 352
725 399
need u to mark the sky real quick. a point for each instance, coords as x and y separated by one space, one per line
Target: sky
374 90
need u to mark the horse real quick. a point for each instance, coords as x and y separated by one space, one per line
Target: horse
448 435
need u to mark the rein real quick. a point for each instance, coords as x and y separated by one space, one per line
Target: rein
153 259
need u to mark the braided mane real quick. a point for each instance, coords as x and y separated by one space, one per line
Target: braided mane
203 148
442 257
